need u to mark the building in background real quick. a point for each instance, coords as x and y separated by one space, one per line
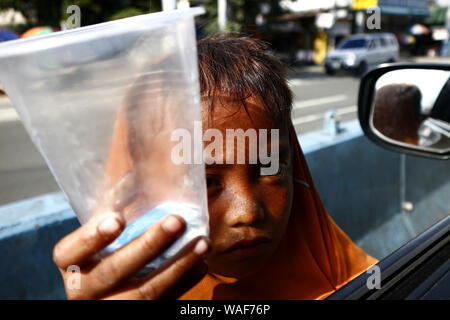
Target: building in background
419 25
403 18
439 24
300 31
321 24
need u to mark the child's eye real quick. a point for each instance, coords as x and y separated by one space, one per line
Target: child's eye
214 185
212 182
280 172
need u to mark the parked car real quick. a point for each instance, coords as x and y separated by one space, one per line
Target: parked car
358 52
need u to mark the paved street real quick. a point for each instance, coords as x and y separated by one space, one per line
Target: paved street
23 172
316 93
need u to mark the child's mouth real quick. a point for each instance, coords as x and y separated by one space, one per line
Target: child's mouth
248 247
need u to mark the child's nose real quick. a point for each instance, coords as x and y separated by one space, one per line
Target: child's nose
244 210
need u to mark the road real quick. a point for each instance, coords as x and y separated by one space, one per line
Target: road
24 174
316 93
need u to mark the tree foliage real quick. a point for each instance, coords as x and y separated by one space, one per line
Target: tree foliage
52 12
241 13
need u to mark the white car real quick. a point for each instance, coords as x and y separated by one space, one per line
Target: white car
358 52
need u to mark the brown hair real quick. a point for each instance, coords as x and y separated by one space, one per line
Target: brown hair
239 67
397 112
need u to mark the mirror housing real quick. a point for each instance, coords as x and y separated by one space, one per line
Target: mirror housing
402 97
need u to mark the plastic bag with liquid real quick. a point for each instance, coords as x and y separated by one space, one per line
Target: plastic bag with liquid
101 103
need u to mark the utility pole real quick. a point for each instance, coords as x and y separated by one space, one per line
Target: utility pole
332 39
359 20
446 46
222 14
447 24
169 5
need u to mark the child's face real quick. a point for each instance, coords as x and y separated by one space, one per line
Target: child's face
248 211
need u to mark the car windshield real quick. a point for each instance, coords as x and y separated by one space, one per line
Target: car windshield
353 44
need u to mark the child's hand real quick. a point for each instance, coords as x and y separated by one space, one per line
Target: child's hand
113 276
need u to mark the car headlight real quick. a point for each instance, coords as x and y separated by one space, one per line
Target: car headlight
350 60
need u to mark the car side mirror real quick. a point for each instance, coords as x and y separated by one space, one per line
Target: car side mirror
406 108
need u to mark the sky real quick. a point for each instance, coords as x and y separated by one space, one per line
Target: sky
443 2
421 78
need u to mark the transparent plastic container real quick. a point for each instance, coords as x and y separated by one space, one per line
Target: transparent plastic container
101 103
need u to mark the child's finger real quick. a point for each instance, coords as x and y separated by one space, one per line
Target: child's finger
124 263
80 245
100 231
184 270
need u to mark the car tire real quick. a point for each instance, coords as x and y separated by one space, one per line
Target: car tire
362 68
330 71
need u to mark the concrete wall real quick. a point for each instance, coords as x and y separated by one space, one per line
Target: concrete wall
28 231
27 270
361 186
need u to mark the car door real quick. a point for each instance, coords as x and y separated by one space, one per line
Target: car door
381 52
373 52
385 52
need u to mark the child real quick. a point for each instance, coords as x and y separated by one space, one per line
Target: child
270 236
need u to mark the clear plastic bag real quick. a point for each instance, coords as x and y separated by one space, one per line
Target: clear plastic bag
101 103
